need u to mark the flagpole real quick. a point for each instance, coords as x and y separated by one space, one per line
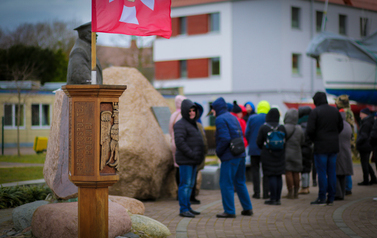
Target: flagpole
94 59
324 18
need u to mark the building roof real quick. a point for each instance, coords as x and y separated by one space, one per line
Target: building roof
182 3
363 4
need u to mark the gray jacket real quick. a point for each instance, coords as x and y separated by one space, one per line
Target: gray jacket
344 158
296 138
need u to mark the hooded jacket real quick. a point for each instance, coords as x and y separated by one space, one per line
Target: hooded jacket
363 140
246 117
273 162
324 125
295 139
252 127
188 138
227 128
175 116
344 159
307 147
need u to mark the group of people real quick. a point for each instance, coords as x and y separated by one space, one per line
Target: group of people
319 139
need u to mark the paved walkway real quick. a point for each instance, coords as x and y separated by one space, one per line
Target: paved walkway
356 216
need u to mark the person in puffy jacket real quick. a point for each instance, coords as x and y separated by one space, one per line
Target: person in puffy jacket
344 165
232 171
293 154
324 125
238 113
306 150
189 154
364 147
254 122
175 116
273 162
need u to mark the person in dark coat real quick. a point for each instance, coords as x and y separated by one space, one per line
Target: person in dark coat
324 125
293 156
189 154
344 165
364 147
273 162
232 171
306 150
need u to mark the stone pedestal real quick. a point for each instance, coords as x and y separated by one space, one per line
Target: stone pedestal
93 151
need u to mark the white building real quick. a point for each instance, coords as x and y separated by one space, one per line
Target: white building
251 50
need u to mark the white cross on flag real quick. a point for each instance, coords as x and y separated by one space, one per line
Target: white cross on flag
132 17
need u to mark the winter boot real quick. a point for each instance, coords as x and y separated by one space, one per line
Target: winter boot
295 194
290 194
304 191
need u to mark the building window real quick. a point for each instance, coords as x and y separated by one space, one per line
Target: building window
363 26
296 64
10 116
343 24
182 25
295 23
40 115
215 66
318 20
183 68
214 22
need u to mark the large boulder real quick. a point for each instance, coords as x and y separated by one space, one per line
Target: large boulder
23 214
146 163
132 205
61 220
148 227
55 170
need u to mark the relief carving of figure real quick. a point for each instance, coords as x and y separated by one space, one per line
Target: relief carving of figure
105 137
114 144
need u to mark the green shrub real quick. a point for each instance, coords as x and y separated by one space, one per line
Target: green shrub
18 195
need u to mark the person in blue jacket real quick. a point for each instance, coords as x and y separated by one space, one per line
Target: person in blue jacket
232 171
254 122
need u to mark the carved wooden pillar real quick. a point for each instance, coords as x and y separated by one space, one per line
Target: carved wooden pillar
93 151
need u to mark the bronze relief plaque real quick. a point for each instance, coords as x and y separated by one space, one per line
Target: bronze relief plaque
84 138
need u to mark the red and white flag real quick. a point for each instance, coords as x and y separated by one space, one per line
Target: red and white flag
132 17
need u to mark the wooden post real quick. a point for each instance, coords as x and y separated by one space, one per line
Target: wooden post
94 58
93 151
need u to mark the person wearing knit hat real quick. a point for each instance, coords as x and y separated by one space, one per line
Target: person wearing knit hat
342 102
254 122
237 112
273 161
364 148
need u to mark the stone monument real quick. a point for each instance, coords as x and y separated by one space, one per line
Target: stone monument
146 170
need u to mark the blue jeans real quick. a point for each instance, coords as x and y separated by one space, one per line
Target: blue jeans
276 185
348 183
232 175
326 169
187 177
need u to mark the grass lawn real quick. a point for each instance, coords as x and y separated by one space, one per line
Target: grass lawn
33 159
8 175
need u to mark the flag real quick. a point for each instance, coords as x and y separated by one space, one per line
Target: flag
132 17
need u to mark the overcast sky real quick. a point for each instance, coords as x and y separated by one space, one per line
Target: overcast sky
16 12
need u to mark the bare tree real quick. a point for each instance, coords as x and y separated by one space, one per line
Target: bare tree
54 35
20 74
